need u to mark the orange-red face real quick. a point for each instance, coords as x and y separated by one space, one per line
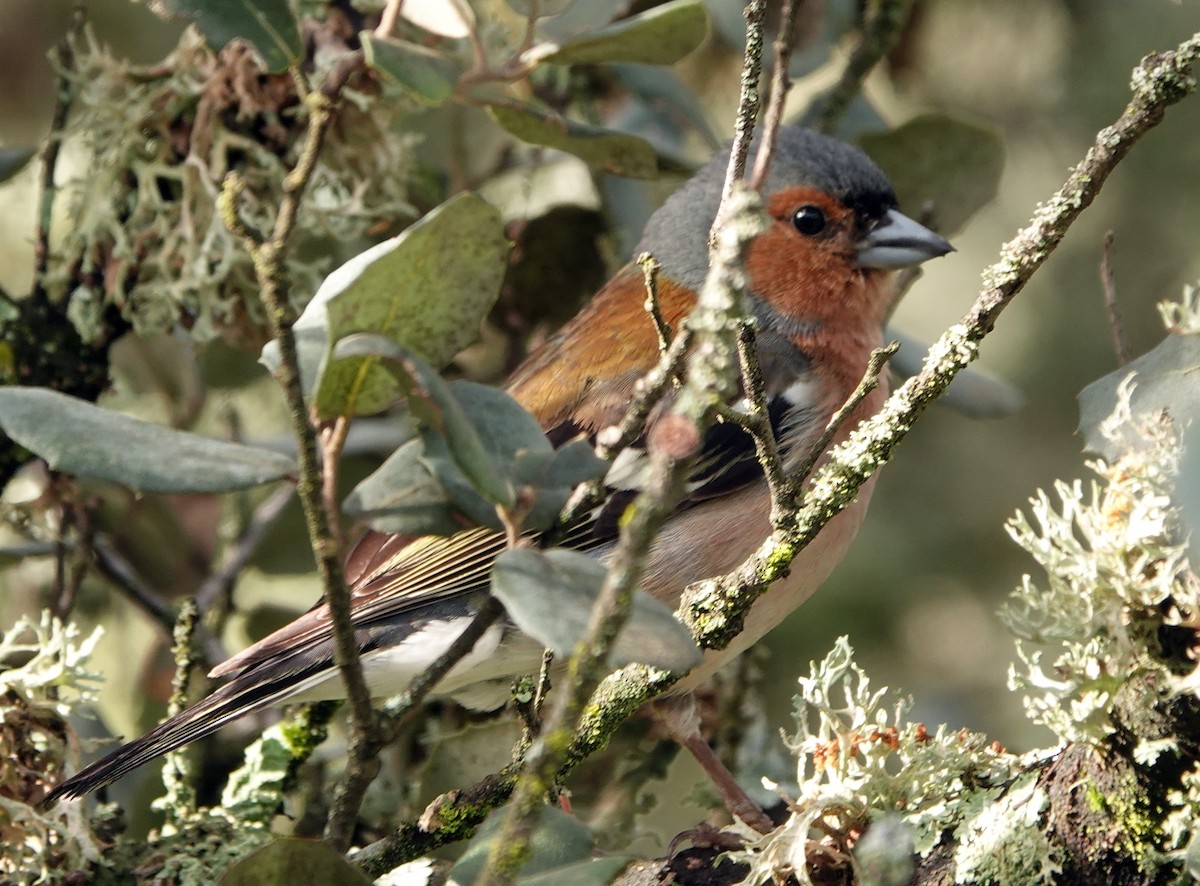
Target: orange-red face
805 266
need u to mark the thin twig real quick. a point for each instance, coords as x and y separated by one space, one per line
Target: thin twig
272 272
647 393
743 129
215 595
868 383
756 421
64 95
333 441
114 567
388 18
216 589
179 802
543 683
878 35
489 611
710 379
531 20
781 84
85 531
1108 281
650 269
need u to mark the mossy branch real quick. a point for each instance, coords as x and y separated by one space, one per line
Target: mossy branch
323 521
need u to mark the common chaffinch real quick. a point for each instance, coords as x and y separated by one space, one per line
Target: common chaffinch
820 288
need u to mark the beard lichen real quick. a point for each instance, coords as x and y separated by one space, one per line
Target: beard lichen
147 152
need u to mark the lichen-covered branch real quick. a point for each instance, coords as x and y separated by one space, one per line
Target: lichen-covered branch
179 801
271 270
64 57
781 83
711 378
743 127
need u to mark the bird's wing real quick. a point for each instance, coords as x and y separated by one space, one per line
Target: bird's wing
571 386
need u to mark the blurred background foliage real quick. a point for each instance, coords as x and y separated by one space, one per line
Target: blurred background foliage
919 591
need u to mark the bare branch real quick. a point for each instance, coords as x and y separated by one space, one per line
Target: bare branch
879 33
743 131
869 382
650 269
756 421
119 571
271 269
781 84
1108 281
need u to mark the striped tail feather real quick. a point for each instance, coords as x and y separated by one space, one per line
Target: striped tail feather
242 695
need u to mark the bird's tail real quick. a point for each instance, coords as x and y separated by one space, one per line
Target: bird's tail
240 696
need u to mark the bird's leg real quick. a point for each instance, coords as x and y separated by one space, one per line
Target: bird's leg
682 721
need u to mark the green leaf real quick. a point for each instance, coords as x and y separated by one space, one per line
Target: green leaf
661 36
267 24
79 438
291 860
13 160
404 496
549 595
426 75
564 468
477 442
1165 380
860 118
936 158
435 405
538 8
558 840
427 289
593 872
613 152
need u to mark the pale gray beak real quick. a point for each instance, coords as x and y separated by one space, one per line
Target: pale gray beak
899 242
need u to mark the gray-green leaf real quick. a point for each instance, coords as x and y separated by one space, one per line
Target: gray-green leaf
80 438
292 860
436 407
267 24
426 75
613 152
1165 380
13 160
661 36
935 158
549 595
403 495
558 840
428 289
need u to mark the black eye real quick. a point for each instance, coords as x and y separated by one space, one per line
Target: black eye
809 220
